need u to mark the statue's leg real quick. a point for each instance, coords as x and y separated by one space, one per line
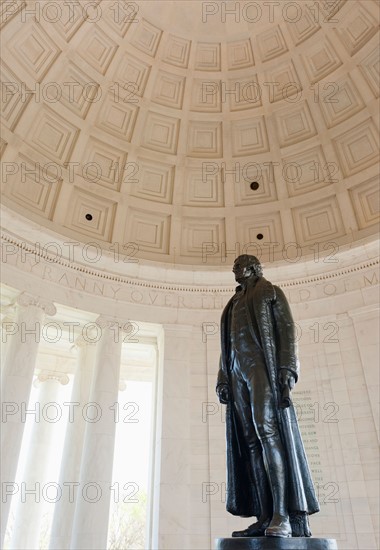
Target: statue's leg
274 458
262 485
243 413
265 422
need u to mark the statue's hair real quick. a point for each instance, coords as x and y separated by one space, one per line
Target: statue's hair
253 262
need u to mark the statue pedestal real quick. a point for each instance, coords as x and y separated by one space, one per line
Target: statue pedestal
275 543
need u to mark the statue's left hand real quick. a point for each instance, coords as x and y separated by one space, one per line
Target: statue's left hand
286 378
223 392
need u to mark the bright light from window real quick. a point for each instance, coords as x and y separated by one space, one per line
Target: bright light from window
129 515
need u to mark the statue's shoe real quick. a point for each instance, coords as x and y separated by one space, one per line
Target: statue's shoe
279 527
255 530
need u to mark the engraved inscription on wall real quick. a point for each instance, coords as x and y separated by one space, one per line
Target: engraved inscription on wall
308 412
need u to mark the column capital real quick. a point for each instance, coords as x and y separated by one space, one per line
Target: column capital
104 321
8 311
7 319
25 299
122 385
46 375
81 342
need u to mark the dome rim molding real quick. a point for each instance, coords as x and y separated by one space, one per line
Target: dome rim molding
16 230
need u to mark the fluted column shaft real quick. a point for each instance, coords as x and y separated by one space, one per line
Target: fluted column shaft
17 377
93 499
72 452
171 490
31 505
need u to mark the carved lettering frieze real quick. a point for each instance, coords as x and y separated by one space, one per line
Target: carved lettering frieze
79 278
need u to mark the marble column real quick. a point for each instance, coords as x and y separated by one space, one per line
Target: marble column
31 506
17 377
171 506
72 451
8 319
93 495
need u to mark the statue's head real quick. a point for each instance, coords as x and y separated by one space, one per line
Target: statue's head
246 266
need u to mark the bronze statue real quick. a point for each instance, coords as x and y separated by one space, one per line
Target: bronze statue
267 471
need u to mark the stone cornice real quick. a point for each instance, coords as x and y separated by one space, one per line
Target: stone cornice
320 278
40 255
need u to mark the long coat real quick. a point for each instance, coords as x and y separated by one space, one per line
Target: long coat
270 315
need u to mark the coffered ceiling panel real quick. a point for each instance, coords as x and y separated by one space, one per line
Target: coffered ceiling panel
91 214
12 101
257 233
97 49
370 67
177 51
117 117
146 37
271 43
239 54
203 190
200 235
357 28
319 220
255 184
52 135
37 190
77 90
320 59
149 231
366 202
306 171
340 100
249 137
151 180
104 164
358 148
245 93
295 124
30 47
207 57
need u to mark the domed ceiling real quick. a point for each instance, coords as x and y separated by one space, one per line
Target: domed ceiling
188 131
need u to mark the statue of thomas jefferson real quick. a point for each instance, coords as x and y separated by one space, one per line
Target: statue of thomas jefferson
267 471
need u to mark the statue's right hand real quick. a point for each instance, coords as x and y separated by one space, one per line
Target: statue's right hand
223 392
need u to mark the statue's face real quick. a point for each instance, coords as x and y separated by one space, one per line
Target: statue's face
241 269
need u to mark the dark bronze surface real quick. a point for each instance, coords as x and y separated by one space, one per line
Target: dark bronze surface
267 471
266 543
